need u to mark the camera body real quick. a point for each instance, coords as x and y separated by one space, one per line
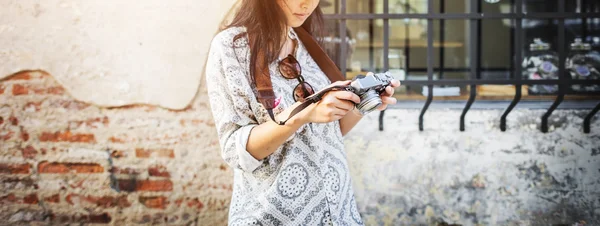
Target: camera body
368 88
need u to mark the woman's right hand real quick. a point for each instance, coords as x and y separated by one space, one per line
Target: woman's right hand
332 107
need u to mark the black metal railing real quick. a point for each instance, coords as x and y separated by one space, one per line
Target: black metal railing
475 16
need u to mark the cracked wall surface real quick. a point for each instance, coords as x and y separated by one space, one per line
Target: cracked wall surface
481 176
66 161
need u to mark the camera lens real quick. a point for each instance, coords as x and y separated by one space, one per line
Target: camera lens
369 101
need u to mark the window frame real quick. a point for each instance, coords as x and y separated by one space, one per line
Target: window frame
475 17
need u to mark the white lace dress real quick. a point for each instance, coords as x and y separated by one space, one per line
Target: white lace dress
306 181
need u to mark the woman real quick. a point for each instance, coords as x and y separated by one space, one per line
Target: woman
291 174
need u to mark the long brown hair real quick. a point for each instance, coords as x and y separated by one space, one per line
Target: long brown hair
265 24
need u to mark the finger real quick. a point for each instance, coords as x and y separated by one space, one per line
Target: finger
382 107
389 91
395 83
346 95
341 83
389 100
345 105
337 117
336 112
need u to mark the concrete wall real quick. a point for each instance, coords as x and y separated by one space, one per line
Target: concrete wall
481 176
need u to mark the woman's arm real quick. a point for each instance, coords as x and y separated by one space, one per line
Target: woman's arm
264 139
349 121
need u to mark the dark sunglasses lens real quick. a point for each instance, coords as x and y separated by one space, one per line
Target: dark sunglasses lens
302 91
289 68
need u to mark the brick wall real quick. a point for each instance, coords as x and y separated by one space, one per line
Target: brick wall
63 161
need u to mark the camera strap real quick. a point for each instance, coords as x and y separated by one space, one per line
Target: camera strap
262 77
308 101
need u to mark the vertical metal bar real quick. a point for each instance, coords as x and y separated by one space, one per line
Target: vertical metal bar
429 63
386 36
442 37
512 40
518 37
371 38
386 44
474 60
407 46
561 68
343 41
584 21
588 119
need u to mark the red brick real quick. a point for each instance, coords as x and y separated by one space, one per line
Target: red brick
117 154
2 89
145 185
108 201
55 90
127 171
54 199
6 135
10 198
103 218
54 167
29 152
1 119
178 202
195 122
158 171
19 76
217 204
154 202
100 219
104 201
70 105
195 203
16 183
14 168
18 89
13 120
116 140
24 135
91 123
28 199
31 199
67 136
36 106
146 153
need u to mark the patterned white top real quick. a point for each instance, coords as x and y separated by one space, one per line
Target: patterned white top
306 181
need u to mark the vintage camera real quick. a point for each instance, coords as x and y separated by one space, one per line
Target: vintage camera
368 88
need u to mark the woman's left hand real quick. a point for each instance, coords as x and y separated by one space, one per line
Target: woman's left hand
386 97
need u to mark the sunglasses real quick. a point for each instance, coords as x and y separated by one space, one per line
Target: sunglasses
290 69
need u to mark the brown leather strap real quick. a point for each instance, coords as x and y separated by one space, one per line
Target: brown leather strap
264 87
262 78
319 55
311 100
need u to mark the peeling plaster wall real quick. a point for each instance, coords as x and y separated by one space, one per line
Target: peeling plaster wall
113 52
63 161
481 176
